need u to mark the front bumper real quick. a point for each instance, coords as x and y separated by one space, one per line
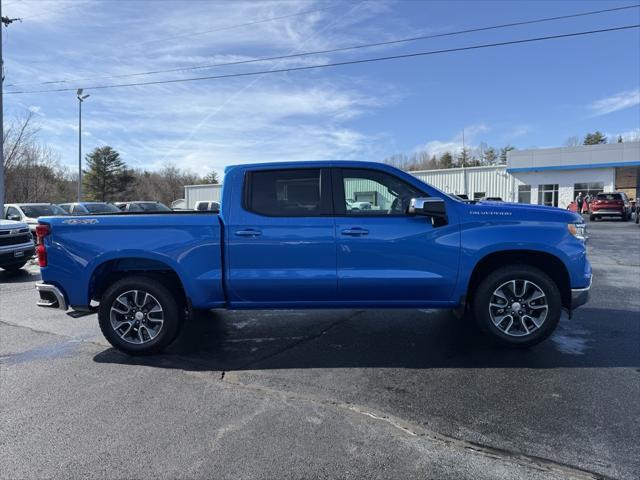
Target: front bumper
16 253
50 296
580 296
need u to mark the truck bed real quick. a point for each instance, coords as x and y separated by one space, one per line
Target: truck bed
81 249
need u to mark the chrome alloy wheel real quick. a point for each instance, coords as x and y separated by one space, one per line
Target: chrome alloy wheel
518 307
136 316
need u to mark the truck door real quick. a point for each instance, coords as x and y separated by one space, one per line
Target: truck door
385 255
281 240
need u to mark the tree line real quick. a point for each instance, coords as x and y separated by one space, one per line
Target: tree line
35 173
481 155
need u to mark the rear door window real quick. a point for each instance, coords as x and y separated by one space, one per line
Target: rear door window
288 193
609 196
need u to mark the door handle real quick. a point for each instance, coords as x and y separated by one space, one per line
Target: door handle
249 232
355 232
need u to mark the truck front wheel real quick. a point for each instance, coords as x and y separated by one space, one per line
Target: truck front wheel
138 315
517 306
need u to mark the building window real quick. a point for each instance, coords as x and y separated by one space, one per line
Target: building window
479 195
524 193
548 195
591 189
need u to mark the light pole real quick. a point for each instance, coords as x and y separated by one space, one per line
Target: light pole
81 98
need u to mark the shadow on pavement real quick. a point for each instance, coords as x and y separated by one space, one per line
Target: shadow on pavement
21 276
226 341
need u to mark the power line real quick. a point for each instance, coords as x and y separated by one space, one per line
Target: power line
337 64
334 50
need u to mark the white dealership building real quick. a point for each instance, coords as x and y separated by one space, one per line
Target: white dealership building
546 176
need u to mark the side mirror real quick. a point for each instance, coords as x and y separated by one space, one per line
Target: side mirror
429 207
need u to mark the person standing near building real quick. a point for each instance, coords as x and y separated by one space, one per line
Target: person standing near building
587 202
580 202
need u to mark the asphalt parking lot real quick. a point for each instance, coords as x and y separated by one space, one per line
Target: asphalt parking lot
358 394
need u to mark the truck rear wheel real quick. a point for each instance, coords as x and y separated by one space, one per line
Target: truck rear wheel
517 306
139 316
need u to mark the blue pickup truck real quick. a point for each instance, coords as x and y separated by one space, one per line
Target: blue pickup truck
328 234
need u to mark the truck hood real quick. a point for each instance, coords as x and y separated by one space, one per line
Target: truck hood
11 224
520 211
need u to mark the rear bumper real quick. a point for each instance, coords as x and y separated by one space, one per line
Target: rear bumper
608 211
50 296
580 296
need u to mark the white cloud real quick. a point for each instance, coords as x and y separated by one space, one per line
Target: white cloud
455 144
619 101
209 124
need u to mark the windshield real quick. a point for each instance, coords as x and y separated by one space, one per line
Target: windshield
101 208
153 207
35 211
609 196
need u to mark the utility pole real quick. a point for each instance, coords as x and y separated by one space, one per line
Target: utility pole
4 21
81 98
464 172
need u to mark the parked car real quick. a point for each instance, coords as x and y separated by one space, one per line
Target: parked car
637 210
29 213
207 206
610 204
286 239
142 206
179 204
84 208
353 205
16 245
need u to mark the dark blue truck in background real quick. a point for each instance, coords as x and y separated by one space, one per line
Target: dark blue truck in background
327 234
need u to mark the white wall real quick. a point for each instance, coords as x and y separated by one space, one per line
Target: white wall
494 181
565 180
609 153
197 193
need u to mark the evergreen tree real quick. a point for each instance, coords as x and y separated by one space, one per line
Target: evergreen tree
595 138
464 158
504 151
446 160
106 176
489 156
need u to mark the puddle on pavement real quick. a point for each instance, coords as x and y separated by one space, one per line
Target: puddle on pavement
570 341
56 350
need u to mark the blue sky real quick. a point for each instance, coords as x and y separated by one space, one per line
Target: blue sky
531 95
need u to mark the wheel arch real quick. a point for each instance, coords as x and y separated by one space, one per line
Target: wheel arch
544 261
110 271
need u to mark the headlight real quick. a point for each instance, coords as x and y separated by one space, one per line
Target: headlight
578 230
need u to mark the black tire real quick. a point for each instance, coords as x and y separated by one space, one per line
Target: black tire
484 293
14 267
592 218
624 217
172 311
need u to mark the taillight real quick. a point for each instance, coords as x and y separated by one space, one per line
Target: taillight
42 230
